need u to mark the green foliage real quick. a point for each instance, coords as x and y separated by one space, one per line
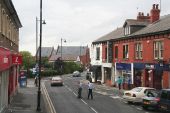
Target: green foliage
70 67
28 60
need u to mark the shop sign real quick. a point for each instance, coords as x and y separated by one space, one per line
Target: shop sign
16 59
150 66
4 59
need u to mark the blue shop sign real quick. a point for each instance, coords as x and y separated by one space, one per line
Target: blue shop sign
139 66
123 66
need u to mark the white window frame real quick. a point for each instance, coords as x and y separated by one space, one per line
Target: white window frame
158 49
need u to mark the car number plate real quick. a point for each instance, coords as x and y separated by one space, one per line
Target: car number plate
146 102
163 107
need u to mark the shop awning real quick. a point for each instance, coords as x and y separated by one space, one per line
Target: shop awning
4 59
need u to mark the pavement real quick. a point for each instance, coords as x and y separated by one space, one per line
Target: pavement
25 100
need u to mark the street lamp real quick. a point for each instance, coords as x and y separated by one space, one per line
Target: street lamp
39 77
43 22
61 46
61 54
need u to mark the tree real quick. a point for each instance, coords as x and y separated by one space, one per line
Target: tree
28 60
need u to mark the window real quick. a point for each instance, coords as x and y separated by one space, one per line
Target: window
158 49
98 53
106 53
138 51
116 52
127 30
125 51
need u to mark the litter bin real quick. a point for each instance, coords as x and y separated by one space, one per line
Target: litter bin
23 79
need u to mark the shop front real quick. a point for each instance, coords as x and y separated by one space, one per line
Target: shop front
125 72
13 76
154 75
4 76
138 74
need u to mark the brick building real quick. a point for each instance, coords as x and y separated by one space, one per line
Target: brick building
141 54
9 57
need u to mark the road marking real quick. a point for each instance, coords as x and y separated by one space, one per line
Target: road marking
49 102
74 93
84 101
139 108
94 110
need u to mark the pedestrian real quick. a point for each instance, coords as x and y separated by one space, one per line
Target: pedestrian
129 83
36 81
119 82
80 90
90 89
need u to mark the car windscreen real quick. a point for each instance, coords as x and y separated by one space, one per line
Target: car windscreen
137 89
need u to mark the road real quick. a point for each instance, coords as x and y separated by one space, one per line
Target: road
105 100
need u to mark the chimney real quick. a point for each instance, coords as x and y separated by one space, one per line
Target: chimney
154 13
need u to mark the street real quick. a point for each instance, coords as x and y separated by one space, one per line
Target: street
106 100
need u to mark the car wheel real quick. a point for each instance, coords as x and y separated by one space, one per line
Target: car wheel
129 102
145 107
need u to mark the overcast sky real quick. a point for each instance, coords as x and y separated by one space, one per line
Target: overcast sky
78 21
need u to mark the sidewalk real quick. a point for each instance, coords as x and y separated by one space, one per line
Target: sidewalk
111 90
25 101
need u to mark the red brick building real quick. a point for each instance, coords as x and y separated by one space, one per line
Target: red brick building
140 51
144 50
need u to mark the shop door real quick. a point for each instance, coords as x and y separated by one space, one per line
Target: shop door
157 79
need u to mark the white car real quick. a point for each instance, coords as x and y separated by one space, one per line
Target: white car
136 94
55 81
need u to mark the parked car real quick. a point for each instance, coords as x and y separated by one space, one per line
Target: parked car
136 95
151 99
76 74
56 81
164 103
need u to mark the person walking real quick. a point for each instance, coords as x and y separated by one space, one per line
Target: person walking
119 82
80 90
90 89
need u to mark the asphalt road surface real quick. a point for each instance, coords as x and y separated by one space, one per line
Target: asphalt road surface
64 99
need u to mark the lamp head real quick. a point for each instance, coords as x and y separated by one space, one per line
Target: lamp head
43 22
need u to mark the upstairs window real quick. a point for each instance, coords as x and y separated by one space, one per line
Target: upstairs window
125 51
138 51
127 30
106 53
98 53
116 52
158 49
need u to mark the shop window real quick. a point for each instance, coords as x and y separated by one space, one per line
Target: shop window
125 51
158 49
138 51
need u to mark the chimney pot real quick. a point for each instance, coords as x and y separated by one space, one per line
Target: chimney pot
157 6
147 14
153 6
142 14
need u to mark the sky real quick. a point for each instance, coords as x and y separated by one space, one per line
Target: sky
79 22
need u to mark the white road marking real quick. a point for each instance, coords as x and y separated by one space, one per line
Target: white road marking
84 101
74 93
94 110
139 108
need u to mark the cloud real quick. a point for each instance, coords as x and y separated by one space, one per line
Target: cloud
78 21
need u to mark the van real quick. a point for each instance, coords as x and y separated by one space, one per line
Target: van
164 103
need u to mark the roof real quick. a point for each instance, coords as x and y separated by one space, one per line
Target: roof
69 53
46 51
136 22
112 35
72 50
159 26
13 12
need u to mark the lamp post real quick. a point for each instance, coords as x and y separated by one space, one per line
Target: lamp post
61 46
61 54
39 77
43 22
